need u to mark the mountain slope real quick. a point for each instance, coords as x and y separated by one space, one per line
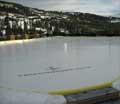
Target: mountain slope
19 19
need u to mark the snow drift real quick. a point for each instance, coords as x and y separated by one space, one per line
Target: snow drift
13 97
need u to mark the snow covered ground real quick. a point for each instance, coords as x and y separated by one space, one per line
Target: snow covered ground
16 97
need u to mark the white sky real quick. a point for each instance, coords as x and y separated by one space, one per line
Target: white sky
101 7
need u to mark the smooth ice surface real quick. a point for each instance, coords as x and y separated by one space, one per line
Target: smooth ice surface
59 63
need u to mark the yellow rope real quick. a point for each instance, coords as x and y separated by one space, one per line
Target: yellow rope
67 92
63 92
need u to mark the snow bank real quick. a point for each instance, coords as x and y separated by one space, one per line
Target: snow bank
116 85
12 97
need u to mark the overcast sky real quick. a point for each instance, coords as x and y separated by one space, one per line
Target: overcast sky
101 7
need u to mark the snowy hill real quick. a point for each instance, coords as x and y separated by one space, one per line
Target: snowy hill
16 19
